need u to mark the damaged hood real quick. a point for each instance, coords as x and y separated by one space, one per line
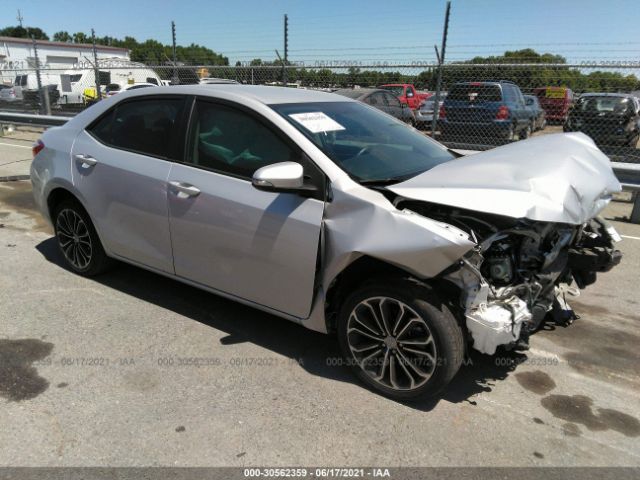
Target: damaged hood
561 178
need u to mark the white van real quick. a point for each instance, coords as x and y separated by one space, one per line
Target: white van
75 82
27 81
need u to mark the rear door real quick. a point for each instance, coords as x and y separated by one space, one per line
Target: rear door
255 245
121 164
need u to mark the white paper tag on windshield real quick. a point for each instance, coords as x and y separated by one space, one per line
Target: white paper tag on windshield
316 122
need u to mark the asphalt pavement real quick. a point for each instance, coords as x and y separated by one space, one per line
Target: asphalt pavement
134 369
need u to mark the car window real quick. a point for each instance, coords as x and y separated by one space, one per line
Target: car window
391 100
231 141
380 99
374 100
509 93
142 126
475 92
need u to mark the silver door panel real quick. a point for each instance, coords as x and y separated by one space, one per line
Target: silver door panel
260 246
126 194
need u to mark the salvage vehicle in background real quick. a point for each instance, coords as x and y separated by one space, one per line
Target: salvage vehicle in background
424 114
608 118
28 83
556 102
407 94
321 210
114 88
487 109
537 114
382 100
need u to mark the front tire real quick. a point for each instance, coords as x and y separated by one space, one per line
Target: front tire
78 240
400 338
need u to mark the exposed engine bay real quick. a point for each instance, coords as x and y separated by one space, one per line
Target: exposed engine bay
520 270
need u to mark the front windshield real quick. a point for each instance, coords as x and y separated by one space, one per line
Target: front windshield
605 104
369 145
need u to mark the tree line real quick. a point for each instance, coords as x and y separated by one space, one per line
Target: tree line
526 67
150 51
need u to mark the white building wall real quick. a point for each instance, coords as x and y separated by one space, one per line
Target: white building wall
17 54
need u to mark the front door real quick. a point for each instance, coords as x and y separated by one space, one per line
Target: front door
259 246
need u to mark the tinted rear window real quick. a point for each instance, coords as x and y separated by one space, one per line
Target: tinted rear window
473 93
143 126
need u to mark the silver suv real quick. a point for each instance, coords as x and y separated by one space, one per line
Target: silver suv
332 214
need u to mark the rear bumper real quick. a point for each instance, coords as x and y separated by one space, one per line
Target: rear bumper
606 137
423 116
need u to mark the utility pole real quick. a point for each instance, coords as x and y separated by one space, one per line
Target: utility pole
176 79
440 58
95 65
42 95
286 49
19 18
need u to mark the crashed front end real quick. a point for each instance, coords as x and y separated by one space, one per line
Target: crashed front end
519 272
531 208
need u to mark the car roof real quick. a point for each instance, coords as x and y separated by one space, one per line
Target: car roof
359 92
261 93
593 94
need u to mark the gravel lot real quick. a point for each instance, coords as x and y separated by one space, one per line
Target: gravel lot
133 369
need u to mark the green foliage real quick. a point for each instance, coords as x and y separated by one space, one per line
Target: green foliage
150 51
24 32
62 37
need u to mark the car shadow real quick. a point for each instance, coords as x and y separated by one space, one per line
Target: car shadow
316 353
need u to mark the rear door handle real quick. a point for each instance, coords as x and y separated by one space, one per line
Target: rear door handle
185 189
86 159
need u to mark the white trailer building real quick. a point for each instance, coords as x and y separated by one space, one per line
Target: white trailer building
17 56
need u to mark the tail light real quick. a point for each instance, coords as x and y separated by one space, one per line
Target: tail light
442 113
503 113
37 147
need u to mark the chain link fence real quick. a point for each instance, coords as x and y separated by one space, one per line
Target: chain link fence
480 105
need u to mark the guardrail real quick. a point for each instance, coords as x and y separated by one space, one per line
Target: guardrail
628 173
629 176
33 119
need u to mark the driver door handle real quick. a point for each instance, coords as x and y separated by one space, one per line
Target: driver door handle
185 189
86 159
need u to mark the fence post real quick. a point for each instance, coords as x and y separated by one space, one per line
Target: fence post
286 50
96 70
436 104
42 107
175 80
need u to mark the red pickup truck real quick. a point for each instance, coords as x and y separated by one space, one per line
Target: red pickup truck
407 94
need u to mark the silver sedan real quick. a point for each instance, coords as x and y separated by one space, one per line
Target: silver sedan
327 212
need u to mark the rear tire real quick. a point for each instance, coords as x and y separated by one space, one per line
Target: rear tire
400 338
78 240
526 132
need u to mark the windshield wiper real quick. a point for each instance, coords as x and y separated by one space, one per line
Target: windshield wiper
386 181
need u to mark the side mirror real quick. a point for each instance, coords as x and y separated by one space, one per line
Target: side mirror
280 177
